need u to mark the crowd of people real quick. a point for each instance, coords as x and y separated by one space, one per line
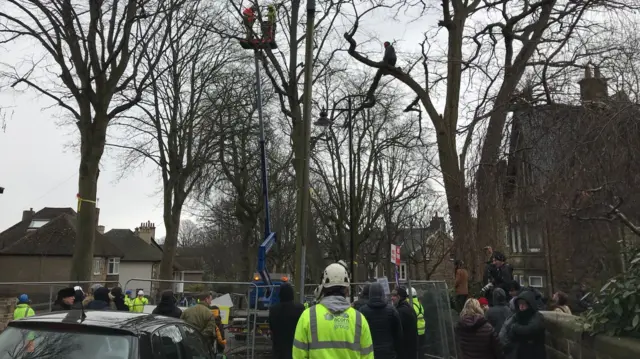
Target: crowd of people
203 314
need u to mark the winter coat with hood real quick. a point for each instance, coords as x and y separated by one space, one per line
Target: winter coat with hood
500 311
363 298
167 305
523 334
283 318
201 317
477 339
101 300
409 322
118 300
384 324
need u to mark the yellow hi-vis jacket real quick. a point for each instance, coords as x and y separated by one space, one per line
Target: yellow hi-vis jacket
417 307
322 334
23 311
137 305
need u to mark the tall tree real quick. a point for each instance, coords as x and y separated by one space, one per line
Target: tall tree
499 52
91 48
175 128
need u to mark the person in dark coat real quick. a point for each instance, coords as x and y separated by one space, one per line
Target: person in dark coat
384 323
389 54
475 335
500 311
167 305
78 298
118 299
101 300
409 322
363 298
64 300
523 334
283 318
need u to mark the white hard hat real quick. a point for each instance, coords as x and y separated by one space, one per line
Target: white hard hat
335 275
78 288
414 293
140 292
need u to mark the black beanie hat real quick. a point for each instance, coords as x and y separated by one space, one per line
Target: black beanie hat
66 293
499 256
402 293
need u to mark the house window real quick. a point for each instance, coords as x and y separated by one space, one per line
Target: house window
97 266
114 266
516 235
534 233
520 279
402 271
37 223
536 281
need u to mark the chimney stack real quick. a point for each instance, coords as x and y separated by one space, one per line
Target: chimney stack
146 231
100 229
593 88
27 215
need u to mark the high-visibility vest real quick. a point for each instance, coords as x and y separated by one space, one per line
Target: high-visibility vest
417 307
23 311
321 334
128 302
137 305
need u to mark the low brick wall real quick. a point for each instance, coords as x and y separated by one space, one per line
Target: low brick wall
566 340
7 306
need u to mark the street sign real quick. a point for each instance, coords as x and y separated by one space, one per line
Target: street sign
395 254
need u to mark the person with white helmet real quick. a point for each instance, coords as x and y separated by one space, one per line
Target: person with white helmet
417 307
137 305
332 329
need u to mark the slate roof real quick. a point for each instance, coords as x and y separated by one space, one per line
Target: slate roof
18 230
135 248
56 238
189 259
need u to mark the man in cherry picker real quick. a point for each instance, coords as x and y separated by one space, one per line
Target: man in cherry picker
332 329
248 18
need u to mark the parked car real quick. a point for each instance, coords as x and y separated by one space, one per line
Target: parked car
102 335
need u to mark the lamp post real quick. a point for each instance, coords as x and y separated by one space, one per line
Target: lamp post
325 121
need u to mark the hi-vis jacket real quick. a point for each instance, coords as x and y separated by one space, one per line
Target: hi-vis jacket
137 304
332 329
22 311
417 307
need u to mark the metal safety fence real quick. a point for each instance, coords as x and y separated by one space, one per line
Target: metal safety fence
439 319
244 322
43 294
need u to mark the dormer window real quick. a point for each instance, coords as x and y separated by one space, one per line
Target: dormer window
37 223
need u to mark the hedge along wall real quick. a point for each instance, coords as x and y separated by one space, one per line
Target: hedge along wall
566 339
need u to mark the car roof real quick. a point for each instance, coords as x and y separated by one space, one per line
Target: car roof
117 321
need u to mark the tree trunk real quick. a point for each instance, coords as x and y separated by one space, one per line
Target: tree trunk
82 262
92 141
172 226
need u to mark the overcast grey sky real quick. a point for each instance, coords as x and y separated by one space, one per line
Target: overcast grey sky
39 169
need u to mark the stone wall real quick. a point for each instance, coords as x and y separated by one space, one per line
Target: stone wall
7 306
566 340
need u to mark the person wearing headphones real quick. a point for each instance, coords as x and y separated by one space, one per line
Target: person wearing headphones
332 328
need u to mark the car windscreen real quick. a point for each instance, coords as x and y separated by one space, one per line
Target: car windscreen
18 343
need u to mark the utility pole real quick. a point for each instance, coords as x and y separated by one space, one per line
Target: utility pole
303 191
352 204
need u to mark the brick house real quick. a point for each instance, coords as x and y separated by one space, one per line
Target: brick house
556 151
39 249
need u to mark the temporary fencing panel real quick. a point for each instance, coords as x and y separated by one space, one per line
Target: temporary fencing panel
43 294
245 329
439 318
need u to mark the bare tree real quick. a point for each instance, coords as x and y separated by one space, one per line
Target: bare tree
519 31
95 48
175 128
190 235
